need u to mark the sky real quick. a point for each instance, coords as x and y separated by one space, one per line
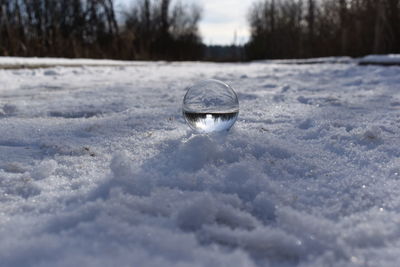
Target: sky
221 19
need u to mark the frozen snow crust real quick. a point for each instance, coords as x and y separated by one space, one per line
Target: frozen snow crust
98 168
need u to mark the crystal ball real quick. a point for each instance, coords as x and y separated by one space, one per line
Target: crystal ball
210 106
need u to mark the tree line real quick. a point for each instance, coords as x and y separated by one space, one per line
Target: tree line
151 29
315 28
168 29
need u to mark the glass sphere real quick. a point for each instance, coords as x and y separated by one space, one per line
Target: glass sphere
210 106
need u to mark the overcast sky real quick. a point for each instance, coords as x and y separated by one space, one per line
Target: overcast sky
221 18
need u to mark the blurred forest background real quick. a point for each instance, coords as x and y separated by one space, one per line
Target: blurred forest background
168 30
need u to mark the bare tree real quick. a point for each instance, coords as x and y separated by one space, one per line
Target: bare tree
165 31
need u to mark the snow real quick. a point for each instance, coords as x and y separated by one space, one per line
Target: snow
98 168
319 60
392 59
34 62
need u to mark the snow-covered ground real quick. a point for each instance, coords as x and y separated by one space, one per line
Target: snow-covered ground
33 62
98 168
393 59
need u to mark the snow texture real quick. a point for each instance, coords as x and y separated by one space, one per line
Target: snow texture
98 168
